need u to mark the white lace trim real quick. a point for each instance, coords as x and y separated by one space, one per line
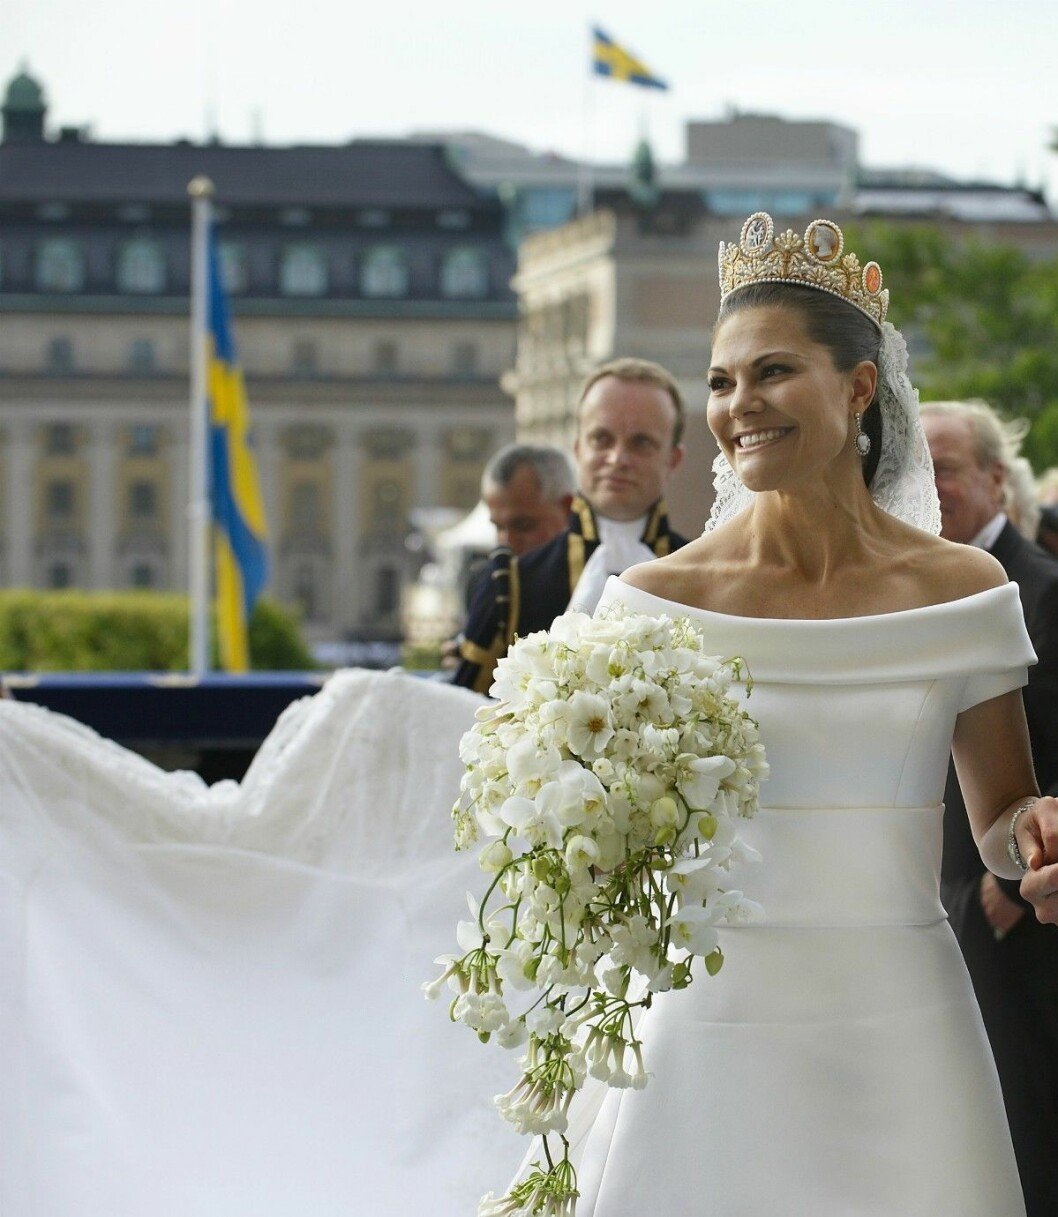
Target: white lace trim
903 482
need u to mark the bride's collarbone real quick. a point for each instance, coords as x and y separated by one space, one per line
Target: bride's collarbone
740 590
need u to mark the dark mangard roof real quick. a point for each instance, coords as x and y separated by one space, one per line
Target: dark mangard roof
363 173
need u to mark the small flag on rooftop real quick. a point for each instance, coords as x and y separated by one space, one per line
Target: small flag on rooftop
610 59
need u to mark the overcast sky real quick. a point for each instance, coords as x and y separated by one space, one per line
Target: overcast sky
966 86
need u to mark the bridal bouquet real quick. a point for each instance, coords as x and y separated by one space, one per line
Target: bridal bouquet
607 781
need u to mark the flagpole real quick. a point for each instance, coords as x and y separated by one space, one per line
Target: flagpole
585 173
199 513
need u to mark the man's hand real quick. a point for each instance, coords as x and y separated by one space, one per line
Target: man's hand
1002 913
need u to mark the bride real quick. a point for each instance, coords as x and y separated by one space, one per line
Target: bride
838 1065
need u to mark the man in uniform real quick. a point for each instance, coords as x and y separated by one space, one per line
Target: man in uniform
629 425
1012 959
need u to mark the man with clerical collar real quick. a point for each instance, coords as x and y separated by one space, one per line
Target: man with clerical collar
1011 957
629 426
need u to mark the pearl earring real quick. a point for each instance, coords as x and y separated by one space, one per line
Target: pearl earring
862 440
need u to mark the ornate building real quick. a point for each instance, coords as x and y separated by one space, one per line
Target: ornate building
373 317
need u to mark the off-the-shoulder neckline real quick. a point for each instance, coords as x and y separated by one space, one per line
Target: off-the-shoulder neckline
691 609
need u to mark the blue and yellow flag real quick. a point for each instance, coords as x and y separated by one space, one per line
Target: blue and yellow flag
609 59
239 532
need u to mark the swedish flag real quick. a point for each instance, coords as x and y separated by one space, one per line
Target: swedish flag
609 59
239 532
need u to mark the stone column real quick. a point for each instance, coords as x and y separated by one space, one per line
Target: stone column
20 467
268 442
104 514
428 457
348 530
177 448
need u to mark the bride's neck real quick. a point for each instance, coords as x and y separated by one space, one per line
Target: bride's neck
814 531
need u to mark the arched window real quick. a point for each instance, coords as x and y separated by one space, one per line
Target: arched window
385 272
464 274
141 267
303 271
60 265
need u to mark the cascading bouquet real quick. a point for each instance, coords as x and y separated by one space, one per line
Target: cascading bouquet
608 777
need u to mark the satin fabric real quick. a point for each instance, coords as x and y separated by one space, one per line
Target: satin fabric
210 997
837 1064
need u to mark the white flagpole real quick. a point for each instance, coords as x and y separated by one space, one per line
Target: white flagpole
586 172
199 513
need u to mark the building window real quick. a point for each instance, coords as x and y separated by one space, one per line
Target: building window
548 206
464 274
141 357
142 575
387 505
305 507
143 440
307 442
453 218
141 267
373 217
304 357
467 443
60 439
386 360
143 500
465 359
59 356
384 273
387 591
60 499
303 271
59 576
306 592
234 267
295 217
60 266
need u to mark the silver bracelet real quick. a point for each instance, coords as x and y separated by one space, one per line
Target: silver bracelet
1013 851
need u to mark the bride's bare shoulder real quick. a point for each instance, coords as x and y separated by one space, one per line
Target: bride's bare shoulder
953 571
677 576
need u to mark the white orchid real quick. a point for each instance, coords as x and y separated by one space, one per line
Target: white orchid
590 724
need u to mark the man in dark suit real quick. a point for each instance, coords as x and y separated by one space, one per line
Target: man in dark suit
1011 957
629 425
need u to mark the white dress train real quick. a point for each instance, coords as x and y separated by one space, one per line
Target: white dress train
837 1066
210 997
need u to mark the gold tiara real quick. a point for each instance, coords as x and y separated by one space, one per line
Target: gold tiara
817 259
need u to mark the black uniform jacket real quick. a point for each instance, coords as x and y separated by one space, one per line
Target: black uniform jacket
1015 977
519 595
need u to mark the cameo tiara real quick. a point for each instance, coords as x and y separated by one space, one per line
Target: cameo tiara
817 259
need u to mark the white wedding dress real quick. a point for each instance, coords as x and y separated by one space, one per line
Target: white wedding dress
837 1065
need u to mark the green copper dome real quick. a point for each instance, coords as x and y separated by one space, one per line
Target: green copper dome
24 95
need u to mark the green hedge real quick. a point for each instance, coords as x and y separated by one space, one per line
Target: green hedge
73 631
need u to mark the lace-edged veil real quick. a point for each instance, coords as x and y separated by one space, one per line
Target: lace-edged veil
903 481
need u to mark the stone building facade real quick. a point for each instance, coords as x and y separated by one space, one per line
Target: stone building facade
373 317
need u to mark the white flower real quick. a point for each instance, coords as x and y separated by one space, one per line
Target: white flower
693 930
513 965
590 726
581 853
693 879
699 777
494 857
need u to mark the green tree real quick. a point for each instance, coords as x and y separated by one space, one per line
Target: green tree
981 320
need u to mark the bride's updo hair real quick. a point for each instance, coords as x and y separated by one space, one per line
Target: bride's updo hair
849 335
